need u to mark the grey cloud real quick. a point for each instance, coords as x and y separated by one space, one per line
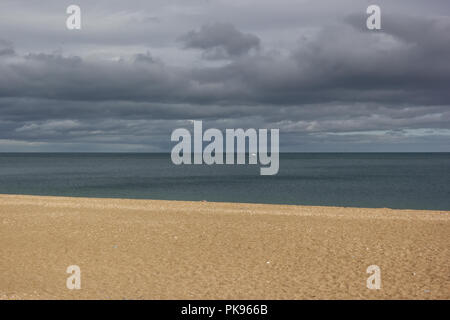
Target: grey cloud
220 40
357 68
336 86
6 48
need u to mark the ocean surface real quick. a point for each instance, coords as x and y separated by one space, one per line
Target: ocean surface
393 180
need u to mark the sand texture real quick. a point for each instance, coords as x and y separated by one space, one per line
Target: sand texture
150 249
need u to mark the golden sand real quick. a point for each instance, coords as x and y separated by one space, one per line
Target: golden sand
149 249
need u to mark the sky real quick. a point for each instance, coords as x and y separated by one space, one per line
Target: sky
137 70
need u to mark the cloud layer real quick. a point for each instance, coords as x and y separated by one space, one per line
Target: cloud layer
126 81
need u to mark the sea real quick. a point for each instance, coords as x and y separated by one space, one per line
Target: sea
372 180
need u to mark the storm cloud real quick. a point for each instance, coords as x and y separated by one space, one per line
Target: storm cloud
136 72
220 40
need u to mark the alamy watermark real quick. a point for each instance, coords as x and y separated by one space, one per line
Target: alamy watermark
73 22
373 22
235 147
74 280
374 281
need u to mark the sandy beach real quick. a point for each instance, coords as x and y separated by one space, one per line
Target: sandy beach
151 249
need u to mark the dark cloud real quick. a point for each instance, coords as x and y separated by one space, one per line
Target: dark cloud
220 40
6 48
333 85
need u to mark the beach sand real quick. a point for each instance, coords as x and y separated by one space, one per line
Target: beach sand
151 249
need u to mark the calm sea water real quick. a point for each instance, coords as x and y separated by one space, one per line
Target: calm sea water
415 181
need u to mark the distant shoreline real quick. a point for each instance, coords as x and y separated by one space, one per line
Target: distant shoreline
291 207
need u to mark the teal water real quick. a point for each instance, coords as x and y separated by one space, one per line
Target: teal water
394 180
